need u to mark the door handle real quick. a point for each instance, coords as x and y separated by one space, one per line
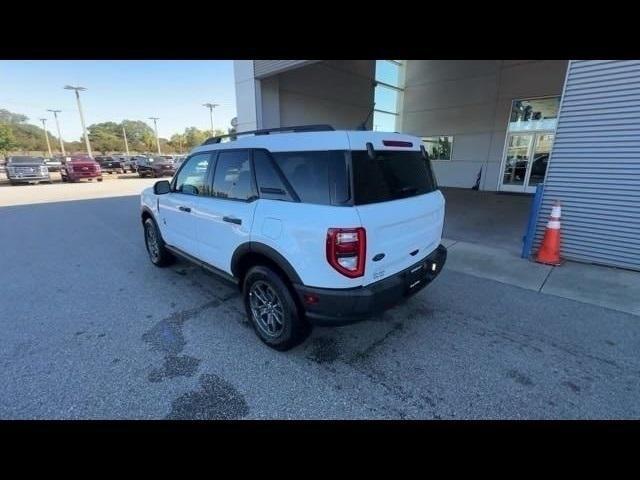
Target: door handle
185 209
237 221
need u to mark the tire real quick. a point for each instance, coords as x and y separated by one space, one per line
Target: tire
292 329
160 257
99 179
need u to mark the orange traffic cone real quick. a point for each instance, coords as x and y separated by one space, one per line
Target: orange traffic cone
549 252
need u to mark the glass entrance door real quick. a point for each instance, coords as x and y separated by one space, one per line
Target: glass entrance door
525 161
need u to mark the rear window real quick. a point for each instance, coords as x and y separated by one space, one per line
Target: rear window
316 176
390 176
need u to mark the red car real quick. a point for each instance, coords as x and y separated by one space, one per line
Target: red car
77 168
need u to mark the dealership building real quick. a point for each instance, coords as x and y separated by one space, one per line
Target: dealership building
503 126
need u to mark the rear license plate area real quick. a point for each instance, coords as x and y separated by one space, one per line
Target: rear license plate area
415 278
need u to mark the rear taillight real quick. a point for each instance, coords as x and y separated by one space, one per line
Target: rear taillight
346 250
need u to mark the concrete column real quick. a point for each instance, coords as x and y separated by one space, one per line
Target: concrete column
248 96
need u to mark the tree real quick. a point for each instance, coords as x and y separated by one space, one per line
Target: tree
148 141
137 133
9 117
106 136
7 140
194 137
178 142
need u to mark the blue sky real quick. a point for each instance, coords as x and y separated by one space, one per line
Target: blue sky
120 89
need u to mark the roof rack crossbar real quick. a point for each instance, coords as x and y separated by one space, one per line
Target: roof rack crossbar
267 131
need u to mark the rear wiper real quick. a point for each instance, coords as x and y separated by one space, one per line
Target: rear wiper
406 191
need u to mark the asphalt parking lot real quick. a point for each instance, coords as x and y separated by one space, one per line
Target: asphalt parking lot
91 329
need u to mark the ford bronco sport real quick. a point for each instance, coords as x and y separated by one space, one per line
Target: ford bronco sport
315 226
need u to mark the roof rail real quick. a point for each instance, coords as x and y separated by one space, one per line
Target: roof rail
267 131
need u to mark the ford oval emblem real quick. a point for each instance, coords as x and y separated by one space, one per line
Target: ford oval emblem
378 257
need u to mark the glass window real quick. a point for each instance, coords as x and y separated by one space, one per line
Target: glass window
384 122
386 98
316 177
440 147
233 176
270 184
391 175
534 114
192 179
388 72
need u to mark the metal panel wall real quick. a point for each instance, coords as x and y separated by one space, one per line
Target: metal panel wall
594 169
265 68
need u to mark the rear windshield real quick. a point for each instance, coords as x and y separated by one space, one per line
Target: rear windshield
390 176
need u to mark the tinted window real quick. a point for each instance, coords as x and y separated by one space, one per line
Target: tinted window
233 176
270 184
317 177
390 176
192 178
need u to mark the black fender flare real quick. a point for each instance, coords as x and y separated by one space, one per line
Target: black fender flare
146 209
267 251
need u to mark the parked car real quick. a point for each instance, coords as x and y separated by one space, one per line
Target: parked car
53 164
179 159
137 159
25 169
110 164
315 227
128 163
155 167
80 167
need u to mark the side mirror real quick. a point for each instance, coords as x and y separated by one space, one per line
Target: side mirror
161 187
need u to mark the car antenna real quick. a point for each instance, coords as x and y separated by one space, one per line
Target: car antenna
363 125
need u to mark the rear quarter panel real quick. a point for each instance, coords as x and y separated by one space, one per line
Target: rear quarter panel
299 232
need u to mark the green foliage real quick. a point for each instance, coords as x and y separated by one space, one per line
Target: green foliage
9 117
138 134
105 137
7 139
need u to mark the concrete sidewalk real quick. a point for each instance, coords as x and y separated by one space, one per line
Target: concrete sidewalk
607 287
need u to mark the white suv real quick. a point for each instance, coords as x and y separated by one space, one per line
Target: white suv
316 226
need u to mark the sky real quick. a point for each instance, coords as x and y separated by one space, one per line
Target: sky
174 91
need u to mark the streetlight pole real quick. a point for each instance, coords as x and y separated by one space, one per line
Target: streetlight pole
84 129
46 135
211 106
155 125
55 115
126 144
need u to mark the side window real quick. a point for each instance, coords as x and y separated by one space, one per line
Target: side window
233 176
192 179
270 184
317 177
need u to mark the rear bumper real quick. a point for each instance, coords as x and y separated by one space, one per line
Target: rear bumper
344 306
